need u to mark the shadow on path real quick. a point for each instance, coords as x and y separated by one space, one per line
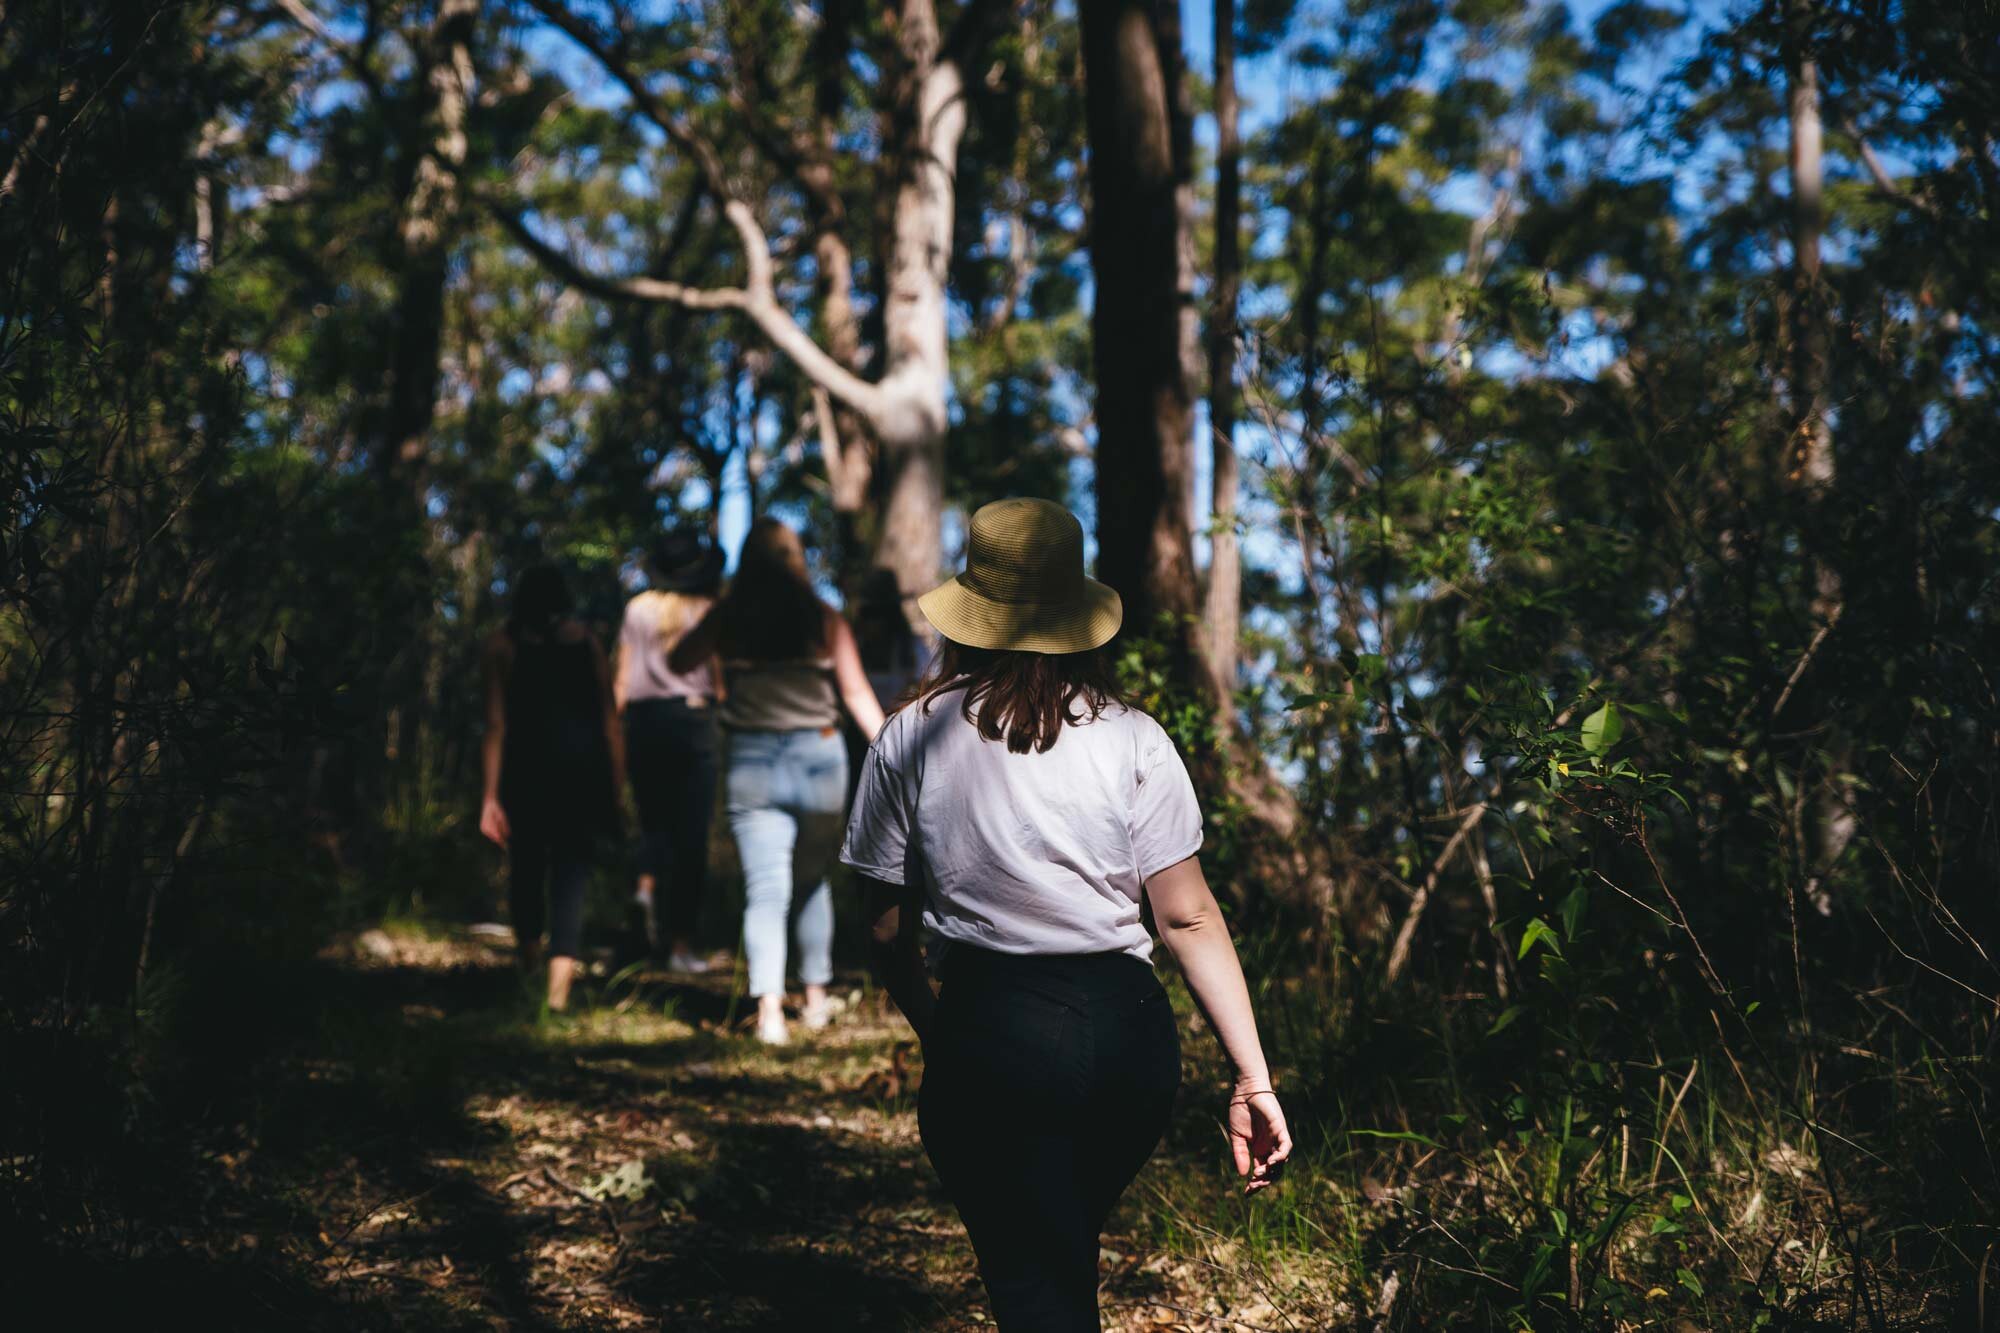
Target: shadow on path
413 1147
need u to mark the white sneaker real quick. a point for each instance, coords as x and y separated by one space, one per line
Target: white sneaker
818 1017
771 1030
691 964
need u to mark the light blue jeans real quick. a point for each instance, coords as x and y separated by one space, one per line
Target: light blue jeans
786 791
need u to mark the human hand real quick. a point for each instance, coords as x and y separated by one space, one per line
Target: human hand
493 822
1259 1142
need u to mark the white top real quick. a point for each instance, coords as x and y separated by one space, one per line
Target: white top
643 645
1024 853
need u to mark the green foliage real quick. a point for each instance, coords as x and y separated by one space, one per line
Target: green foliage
1691 763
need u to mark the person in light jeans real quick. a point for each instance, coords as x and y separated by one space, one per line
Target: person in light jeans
792 666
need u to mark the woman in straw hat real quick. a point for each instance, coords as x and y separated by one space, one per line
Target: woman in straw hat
1025 810
792 666
670 741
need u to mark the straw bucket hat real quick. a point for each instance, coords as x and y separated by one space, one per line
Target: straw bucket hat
1023 587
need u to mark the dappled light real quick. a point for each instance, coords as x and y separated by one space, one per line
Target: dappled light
799 665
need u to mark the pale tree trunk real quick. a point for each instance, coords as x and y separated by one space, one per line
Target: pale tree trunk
905 410
914 335
1811 460
1222 612
1812 457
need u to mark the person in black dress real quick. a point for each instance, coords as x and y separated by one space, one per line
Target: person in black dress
553 760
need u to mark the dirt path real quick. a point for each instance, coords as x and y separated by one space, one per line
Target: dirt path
429 1153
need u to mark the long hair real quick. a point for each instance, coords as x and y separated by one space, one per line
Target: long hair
1025 698
674 613
771 612
541 599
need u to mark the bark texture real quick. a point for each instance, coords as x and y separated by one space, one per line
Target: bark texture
428 224
1223 604
1145 420
902 414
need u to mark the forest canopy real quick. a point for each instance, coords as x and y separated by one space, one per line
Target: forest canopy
1546 450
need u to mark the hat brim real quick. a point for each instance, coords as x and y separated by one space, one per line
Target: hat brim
1078 625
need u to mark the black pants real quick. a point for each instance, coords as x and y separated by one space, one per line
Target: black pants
548 868
671 753
1047 1085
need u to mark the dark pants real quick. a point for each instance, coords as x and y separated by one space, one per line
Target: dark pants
548 870
671 752
1047 1085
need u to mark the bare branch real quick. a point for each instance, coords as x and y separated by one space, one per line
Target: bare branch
1399 952
657 290
302 15
756 298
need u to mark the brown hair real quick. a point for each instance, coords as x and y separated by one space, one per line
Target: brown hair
1027 698
771 612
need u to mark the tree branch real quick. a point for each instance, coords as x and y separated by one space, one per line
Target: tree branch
656 290
756 298
1399 952
643 97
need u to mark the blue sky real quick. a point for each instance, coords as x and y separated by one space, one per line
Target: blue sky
1266 84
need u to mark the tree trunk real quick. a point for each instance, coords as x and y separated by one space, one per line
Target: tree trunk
426 229
1142 343
905 410
1222 611
1811 464
930 121
1144 411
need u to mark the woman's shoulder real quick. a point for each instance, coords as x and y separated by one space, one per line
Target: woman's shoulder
1136 727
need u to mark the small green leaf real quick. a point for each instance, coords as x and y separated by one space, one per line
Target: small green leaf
1688 1280
1572 911
1507 1015
1602 729
1537 930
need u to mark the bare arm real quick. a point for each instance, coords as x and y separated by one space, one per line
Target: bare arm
895 956
701 642
614 733
492 818
1192 928
855 692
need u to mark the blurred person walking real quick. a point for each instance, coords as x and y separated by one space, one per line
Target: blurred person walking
671 746
1026 811
891 653
791 665
553 762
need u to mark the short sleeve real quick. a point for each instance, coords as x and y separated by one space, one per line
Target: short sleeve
878 827
1166 817
634 630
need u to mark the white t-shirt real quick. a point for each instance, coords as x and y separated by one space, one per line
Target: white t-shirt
1024 853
